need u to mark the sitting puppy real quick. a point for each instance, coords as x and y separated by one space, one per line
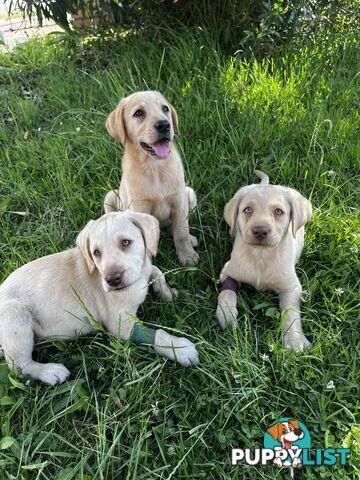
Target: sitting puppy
152 172
267 222
108 273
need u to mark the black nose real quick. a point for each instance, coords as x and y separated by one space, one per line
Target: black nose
298 432
162 126
114 279
260 232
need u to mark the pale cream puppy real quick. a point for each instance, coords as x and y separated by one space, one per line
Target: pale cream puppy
152 171
106 275
267 222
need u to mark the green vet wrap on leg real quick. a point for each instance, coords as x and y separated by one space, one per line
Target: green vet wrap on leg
141 334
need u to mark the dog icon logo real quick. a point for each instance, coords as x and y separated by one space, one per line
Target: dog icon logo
287 443
287 437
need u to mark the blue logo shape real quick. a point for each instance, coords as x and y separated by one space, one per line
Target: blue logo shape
287 433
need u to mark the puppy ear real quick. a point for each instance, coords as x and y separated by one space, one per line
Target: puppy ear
295 424
231 210
175 120
115 123
150 229
83 244
301 210
274 431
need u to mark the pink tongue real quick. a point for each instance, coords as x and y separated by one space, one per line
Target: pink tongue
162 149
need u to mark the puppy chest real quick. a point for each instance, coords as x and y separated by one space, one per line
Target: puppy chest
154 183
259 275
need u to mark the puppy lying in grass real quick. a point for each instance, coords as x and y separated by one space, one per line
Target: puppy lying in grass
267 222
109 272
152 171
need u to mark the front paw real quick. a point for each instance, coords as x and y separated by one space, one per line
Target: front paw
52 373
295 342
160 286
226 311
169 294
179 349
193 241
188 257
165 292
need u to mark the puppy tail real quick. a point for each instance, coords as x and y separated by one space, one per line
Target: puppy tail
264 178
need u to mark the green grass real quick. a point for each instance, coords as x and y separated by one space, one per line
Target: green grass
126 413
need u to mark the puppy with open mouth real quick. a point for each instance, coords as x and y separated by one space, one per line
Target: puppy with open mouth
267 222
286 433
152 172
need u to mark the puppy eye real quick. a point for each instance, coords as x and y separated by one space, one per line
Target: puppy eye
139 113
125 242
96 253
247 210
278 211
165 108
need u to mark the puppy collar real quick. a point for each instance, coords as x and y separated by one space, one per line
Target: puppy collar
229 284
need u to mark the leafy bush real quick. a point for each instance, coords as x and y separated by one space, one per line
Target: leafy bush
60 11
300 21
242 25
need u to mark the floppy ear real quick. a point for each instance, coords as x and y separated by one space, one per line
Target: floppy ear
301 210
115 123
231 210
83 244
295 424
149 227
274 431
175 120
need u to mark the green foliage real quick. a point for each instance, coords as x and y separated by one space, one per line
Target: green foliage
244 26
299 22
127 413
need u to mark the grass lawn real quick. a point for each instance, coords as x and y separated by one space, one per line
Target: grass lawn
127 413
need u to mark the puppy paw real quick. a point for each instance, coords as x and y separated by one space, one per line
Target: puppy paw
193 241
53 373
163 291
226 311
174 292
168 294
185 353
179 349
188 257
295 342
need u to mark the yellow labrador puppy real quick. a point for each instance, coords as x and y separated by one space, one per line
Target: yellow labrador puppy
152 171
107 273
267 222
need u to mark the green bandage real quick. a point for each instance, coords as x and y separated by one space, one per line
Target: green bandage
141 334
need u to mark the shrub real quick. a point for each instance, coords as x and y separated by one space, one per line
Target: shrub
242 25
